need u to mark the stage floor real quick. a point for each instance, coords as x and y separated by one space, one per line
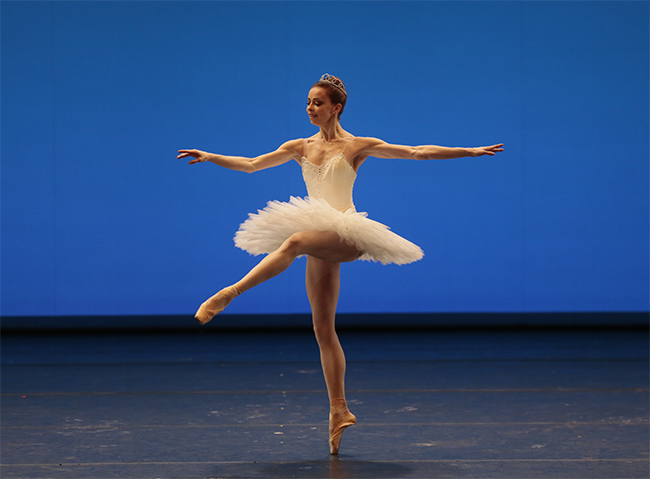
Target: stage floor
429 404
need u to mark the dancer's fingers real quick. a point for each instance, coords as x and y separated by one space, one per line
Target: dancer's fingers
185 153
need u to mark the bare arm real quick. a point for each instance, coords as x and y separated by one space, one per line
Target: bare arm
381 149
283 154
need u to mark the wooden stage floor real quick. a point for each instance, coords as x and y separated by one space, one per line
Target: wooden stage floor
567 404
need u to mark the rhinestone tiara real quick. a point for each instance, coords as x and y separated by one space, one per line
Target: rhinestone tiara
335 82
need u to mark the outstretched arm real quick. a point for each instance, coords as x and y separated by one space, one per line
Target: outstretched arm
381 149
283 154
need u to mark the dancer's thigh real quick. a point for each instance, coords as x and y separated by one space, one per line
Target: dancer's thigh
323 284
325 245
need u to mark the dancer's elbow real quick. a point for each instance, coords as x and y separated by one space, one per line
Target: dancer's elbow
249 167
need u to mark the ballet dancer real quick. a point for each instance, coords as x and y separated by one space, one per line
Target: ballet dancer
324 226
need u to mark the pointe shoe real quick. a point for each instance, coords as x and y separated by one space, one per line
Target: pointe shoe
217 303
347 419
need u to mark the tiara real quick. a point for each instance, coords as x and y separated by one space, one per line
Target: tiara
335 82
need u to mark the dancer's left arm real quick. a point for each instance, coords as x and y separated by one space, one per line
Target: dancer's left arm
381 149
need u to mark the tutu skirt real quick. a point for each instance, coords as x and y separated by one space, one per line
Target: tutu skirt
265 231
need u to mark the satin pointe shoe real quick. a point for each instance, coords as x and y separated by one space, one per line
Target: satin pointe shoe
217 303
345 419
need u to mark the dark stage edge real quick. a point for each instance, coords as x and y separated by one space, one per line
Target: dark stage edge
525 320
229 404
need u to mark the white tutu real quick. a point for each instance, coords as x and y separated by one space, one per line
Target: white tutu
264 231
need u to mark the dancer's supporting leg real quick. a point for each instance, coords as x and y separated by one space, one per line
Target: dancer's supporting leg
323 284
326 245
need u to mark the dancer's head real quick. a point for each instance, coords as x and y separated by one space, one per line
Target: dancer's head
335 90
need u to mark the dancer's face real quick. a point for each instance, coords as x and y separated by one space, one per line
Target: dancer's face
319 106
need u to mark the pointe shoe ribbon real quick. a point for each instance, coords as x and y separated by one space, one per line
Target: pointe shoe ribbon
216 304
336 433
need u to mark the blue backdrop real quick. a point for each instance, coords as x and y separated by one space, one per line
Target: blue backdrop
99 217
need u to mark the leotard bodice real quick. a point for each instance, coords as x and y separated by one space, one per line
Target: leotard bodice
332 181
329 207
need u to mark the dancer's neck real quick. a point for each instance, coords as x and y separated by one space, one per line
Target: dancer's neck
331 132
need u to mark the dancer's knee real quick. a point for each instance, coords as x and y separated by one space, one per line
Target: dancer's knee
325 334
295 244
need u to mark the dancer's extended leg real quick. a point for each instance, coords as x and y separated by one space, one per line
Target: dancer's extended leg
325 245
323 284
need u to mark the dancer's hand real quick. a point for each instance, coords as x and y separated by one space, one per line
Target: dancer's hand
198 155
487 150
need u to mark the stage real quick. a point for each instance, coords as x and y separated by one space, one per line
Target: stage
210 403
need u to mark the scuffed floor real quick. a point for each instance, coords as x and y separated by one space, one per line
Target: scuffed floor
206 404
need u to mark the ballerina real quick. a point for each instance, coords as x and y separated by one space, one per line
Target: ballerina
324 226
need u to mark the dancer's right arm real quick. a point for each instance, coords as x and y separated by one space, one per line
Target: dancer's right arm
283 154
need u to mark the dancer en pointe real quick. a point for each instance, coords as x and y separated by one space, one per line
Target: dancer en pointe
324 226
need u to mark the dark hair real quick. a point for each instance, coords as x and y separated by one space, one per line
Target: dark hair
335 90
